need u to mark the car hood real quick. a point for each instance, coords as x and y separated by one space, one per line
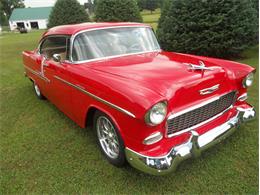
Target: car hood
169 75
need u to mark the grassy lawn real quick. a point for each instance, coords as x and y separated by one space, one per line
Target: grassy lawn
151 18
42 151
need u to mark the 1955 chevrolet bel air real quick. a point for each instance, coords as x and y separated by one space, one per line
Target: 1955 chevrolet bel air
149 107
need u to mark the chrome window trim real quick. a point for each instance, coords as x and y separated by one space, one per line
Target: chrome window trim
109 57
193 108
37 74
96 97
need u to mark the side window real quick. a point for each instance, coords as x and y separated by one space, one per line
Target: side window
55 45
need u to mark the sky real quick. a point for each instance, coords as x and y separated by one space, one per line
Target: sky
44 3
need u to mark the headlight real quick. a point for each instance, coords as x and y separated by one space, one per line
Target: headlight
156 114
248 80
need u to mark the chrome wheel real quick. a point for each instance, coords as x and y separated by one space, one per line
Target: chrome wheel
107 137
37 90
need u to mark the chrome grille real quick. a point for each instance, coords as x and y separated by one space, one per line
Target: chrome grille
201 114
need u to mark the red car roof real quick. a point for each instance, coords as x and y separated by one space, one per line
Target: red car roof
74 28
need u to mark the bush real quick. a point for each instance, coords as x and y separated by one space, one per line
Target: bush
221 28
117 11
67 12
141 4
151 5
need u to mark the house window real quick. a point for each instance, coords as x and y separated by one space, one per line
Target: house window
34 25
20 24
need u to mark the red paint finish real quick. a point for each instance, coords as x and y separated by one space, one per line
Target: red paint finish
135 83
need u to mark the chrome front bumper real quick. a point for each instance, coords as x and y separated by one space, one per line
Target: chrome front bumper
192 148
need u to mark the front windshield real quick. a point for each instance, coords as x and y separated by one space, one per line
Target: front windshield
112 42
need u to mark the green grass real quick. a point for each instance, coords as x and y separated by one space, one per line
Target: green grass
42 151
151 18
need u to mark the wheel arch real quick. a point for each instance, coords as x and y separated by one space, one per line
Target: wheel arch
90 116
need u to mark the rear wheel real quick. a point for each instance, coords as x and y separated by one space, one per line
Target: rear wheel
38 91
109 139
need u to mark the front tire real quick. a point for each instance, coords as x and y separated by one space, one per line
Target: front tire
38 91
109 139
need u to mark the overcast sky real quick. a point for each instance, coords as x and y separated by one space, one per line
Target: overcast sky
44 3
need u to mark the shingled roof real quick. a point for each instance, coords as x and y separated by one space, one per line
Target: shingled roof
35 13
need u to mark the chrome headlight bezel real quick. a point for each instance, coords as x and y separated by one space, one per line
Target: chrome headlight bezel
159 109
248 80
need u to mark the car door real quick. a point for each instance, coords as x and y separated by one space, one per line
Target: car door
55 71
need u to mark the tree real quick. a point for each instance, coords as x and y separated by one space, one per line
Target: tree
141 4
3 19
67 12
117 11
8 5
90 6
221 28
256 4
160 3
151 5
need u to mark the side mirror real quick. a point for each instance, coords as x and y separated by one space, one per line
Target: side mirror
56 57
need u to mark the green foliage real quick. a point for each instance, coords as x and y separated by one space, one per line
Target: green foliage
152 5
141 4
7 6
117 11
256 4
149 4
67 12
160 3
221 28
90 6
3 19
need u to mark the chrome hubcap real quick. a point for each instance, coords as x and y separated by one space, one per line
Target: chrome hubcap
107 137
37 90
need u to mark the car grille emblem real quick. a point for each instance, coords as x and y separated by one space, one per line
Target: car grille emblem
209 90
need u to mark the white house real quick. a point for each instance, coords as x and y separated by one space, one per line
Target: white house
30 18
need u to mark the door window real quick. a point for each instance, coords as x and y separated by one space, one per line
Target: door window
55 45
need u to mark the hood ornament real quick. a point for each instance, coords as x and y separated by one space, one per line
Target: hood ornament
209 90
201 66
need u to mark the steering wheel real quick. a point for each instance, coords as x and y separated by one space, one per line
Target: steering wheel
134 47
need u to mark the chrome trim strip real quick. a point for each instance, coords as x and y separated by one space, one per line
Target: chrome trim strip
109 57
37 74
243 97
96 97
157 135
209 90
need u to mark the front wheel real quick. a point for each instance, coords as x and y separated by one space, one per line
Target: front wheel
109 139
37 91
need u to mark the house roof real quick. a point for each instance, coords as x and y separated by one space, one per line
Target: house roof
35 13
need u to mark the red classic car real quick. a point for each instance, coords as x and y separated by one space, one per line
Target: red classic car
149 107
